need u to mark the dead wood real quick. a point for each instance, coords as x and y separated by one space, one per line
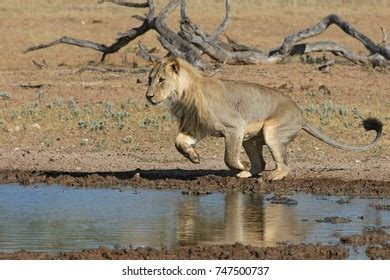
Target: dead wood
116 70
192 43
383 43
29 85
319 28
126 3
5 95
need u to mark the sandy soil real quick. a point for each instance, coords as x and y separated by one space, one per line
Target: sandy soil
62 123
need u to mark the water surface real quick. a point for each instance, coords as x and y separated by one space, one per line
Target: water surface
55 218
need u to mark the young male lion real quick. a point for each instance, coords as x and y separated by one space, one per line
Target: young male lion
244 113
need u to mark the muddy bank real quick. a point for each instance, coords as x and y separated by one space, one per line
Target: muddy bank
198 182
376 240
369 237
214 252
379 252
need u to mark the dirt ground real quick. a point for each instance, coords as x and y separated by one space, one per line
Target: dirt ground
376 241
209 252
62 122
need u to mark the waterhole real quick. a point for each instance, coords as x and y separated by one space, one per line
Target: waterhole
56 218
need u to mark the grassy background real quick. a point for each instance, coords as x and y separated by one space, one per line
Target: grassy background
93 111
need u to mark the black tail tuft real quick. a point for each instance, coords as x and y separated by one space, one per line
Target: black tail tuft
373 124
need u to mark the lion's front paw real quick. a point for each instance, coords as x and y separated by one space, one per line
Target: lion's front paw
244 174
194 157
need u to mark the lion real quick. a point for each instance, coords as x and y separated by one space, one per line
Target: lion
245 114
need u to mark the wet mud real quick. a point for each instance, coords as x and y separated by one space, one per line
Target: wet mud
379 252
209 252
334 220
199 182
369 237
381 206
376 240
282 200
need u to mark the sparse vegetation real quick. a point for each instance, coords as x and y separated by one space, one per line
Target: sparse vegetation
101 145
328 112
149 122
97 106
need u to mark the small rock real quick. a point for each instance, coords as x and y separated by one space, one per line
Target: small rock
35 125
334 220
282 200
380 206
358 161
343 201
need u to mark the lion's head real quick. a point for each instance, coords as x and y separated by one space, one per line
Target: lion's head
179 83
165 81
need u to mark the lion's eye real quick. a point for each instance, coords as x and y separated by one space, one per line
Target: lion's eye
161 80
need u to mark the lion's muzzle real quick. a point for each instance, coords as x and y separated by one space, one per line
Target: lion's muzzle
150 97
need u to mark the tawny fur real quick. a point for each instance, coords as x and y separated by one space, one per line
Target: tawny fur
245 114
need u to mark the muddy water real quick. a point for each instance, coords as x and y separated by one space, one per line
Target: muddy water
55 218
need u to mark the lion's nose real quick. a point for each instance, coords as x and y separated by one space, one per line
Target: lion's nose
149 94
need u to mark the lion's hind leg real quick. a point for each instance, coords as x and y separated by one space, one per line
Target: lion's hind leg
184 144
277 139
233 143
254 149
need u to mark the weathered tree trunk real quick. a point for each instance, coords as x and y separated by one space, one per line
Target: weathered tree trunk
191 42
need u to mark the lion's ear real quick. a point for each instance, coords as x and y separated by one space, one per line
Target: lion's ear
173 64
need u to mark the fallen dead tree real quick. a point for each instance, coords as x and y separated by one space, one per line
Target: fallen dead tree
192 43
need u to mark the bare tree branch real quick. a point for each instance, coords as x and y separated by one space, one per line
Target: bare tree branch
225 22
126 38
70 41
317 29
384 34
168 9
125 3
233 45
142 52
172 41
330 47
140 18
191 42
151 12
183 10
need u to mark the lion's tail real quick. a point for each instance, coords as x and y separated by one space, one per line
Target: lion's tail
368 124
